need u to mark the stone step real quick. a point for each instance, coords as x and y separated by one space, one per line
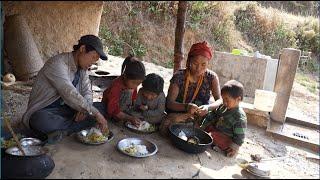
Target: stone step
302 122
286 133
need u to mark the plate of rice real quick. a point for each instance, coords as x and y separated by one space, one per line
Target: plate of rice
144 127
93 136
137 147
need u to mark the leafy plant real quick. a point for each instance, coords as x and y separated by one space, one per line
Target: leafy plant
112 41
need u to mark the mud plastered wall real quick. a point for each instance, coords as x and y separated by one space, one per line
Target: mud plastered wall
56 26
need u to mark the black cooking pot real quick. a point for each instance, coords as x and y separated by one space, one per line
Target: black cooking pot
204 138
43 139
36 164
103 82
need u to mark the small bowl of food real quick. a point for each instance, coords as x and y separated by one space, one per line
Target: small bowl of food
137 147
93 136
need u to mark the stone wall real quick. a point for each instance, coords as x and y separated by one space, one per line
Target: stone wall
253 73
56 25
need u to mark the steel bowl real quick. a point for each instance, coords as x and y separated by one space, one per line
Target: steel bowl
28 150
30 142
151 147
81 136
136 130
204 138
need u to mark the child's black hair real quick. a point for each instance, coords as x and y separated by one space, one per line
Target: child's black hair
153 83
133 69
233 88
127 60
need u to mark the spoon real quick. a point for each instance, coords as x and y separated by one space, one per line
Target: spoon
193 137
14 136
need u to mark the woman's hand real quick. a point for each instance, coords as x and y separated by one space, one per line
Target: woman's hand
192 108
203 110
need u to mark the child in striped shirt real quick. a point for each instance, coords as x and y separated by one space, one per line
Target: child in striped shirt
227 124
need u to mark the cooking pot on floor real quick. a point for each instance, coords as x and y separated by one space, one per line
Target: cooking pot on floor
35 164
204 138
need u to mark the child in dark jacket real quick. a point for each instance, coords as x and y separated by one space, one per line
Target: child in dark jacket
151 100
227 124
120 96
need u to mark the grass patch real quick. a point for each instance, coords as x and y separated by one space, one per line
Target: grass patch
310 83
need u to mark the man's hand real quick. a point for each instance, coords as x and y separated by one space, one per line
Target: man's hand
102 123
80 116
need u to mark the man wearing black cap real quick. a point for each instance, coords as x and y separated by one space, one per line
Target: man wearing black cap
61 101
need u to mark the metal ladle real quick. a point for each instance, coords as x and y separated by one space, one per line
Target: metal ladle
193 138
14 136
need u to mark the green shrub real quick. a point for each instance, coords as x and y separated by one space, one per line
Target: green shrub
131 37
109 39
197 13
169 64
128 37
160 11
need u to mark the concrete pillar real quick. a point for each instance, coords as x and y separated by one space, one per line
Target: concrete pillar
270 74
288 63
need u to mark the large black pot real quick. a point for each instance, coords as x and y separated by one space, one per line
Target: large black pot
205 138
102 81
35 166
44 140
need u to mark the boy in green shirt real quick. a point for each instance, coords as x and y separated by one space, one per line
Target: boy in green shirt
227 124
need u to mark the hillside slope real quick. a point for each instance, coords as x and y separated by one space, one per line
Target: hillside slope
147 28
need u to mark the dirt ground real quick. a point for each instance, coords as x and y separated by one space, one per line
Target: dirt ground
303 104
76 160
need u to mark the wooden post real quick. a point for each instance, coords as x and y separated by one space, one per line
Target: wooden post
288 63
180 29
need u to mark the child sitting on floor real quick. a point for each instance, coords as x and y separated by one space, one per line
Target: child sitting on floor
122 93
151 100
227 124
